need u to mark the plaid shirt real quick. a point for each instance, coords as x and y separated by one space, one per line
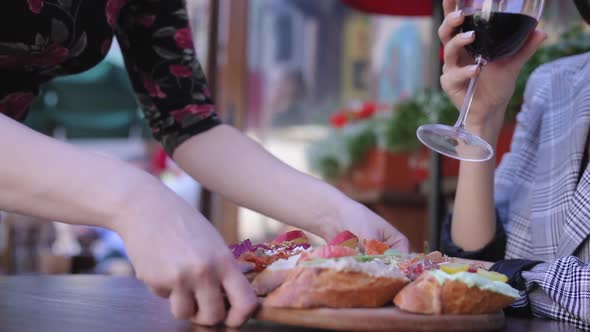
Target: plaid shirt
542 192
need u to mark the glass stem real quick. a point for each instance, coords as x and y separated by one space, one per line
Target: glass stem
480 62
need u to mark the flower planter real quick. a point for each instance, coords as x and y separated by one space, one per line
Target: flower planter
380 171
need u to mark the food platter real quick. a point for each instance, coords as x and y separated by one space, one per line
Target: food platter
378 319
354 284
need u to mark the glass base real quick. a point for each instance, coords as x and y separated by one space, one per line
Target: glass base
454 142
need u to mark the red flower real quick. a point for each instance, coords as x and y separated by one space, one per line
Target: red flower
367 111
16 104
106 46
339 119
52 55
152 87
202 111
35 6
146 20
158 161
183 38
113 8
180 71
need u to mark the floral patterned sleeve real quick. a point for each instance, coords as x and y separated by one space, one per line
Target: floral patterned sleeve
157 45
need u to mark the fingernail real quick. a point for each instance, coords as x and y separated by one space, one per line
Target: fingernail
467 34
456 14
473 68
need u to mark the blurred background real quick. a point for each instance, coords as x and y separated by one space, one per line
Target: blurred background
335 88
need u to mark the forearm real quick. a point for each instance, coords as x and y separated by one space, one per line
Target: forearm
474 215
43 177
227 162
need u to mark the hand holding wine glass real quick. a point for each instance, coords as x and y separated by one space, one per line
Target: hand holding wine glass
495 33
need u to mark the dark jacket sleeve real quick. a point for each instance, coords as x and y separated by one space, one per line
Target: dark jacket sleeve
492 252
159 52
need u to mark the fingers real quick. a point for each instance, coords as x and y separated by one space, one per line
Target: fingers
402 244
211 307
161 291
455 79
182 303
245 267
197 294
242 298
455 47
210 300
396 240
449 26
449 6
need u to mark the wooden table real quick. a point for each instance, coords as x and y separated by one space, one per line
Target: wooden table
109 304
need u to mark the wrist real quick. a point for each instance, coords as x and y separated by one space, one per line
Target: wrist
487 128
137 192
329 221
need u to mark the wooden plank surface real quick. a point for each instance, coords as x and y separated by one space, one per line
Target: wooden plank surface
114 304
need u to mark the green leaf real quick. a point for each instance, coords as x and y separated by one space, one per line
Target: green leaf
59 31
329 168
359 145
65 3
165 32
39 40
181 13
165 54
79 46
14 48
392 252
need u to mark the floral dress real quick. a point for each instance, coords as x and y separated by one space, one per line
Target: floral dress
42 39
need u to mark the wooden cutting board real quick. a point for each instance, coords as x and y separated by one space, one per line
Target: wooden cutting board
379 319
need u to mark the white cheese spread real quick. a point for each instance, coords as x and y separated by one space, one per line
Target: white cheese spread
375 267
474 279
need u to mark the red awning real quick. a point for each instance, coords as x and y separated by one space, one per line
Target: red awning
392 7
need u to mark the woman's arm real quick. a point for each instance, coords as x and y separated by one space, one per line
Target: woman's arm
174 250
474 218
42 177
160 56
228 162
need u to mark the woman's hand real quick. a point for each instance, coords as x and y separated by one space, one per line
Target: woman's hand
243 172
174 250
180 256
365 224
497 79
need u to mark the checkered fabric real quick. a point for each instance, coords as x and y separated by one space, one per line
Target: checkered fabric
542 191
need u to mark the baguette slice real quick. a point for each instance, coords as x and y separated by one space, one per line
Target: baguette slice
341 287
274 275
462 294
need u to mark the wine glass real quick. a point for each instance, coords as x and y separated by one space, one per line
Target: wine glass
501 28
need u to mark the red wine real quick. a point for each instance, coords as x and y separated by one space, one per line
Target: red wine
500 35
